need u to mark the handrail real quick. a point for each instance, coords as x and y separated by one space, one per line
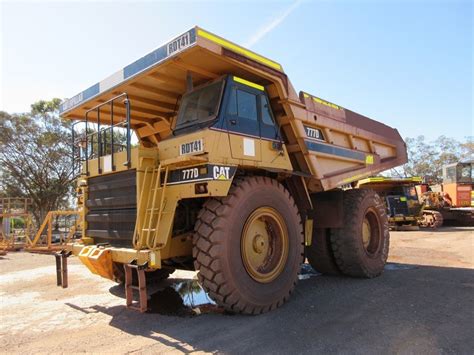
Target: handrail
127 105
102 135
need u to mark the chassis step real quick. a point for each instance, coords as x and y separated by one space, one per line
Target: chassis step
142 304
61 268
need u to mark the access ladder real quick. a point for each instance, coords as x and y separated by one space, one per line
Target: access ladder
153 205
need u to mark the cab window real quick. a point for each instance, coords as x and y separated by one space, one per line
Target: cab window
450 174
242 112
266 113
268 128
250 113
243 104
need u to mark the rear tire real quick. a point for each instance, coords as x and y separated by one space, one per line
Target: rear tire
248 246
361 246
319 253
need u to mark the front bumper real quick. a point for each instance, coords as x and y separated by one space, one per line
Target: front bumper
100 259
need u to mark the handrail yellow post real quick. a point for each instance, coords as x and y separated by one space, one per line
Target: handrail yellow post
50 229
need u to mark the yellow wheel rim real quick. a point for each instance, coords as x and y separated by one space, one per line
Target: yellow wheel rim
264 244
371 232
366 233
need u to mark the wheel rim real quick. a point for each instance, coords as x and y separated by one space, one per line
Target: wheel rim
264 244
371 232
366 233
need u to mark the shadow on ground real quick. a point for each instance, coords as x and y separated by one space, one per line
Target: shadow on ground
410 308
445 228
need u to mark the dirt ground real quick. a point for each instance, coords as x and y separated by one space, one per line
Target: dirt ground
423 303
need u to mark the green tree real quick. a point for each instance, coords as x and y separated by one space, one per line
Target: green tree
426 158
35 157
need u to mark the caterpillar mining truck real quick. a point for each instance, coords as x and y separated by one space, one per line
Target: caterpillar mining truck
404 209
222 168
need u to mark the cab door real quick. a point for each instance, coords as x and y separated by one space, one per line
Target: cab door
242 121
270 140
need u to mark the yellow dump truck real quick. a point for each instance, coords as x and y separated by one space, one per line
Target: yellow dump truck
401 198
221 167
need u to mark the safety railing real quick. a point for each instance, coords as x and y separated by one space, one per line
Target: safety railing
93 143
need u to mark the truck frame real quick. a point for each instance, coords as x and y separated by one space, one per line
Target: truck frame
231 173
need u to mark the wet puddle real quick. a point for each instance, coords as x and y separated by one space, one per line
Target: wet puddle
188 298
395 266
182 298
307 272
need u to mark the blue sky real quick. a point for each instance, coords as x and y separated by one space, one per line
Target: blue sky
406 63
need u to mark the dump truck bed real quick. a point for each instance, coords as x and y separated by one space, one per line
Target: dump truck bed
328 145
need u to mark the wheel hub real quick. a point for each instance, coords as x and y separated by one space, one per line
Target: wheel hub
259 243
264 244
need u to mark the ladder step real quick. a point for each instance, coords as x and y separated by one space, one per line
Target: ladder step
135 308
141 305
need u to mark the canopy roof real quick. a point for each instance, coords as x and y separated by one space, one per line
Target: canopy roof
155 82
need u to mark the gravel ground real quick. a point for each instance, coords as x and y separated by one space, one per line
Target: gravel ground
423 303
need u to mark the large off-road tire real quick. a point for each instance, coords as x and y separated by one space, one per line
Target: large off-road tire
361 247
151 276
432 219
248 246
319 253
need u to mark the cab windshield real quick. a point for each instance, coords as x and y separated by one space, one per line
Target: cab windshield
200 105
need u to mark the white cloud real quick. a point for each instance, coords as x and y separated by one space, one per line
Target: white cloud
271 25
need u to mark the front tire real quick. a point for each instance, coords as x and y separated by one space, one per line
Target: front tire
361 247
248 246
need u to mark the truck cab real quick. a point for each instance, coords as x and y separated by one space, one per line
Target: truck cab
458 183
227 120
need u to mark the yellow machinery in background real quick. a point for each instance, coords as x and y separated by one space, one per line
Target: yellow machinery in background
50 238
16 227
450 202
404 209
15 222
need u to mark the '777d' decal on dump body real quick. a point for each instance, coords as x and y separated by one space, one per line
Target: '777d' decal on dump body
314 133
201 173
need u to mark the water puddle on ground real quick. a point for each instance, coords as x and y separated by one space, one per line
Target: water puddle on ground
395 266
188 298
182 298
307 272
